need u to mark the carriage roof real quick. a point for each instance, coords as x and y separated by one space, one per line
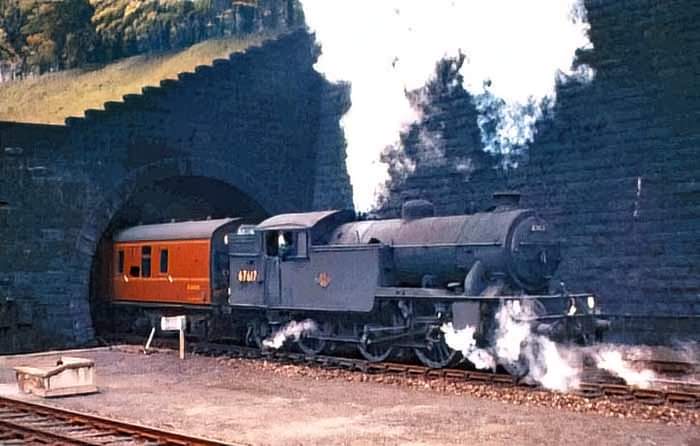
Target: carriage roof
186 230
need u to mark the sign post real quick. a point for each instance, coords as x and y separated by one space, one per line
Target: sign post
182 343
150 339
175 323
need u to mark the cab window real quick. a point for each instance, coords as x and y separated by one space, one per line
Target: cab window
271 243
287 244
302 245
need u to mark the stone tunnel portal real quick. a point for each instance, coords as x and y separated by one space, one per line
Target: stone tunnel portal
178 198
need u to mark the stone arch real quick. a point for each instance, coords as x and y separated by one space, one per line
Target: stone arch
99 218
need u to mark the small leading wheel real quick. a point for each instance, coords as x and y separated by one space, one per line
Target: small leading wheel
437 354
310 344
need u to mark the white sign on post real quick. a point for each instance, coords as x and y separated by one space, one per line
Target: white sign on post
176 323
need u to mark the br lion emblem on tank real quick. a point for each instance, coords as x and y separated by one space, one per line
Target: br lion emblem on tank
323 280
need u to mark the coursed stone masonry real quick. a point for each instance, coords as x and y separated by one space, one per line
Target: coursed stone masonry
252 122
615 167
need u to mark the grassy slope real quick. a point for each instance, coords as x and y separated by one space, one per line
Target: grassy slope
51 98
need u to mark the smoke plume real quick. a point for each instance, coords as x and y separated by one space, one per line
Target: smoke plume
387 48
292 330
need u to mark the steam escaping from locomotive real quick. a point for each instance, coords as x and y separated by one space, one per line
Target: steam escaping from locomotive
465 342
613 362
390 47
525 353
290 331
533 357
537 359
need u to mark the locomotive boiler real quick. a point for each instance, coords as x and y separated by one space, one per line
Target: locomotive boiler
385 286
510 245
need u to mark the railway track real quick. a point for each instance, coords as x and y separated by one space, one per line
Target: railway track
596 384
669 367
24 423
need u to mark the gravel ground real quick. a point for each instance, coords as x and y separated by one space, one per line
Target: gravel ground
261 403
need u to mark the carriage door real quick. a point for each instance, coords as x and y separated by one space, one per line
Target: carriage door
272 268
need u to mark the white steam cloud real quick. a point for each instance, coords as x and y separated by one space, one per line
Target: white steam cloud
516 345
292 330
385 48
613 362
536 358
464 342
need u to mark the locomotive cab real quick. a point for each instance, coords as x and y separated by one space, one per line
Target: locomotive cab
257 259
286 263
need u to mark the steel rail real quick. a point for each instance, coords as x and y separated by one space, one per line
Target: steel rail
16 432
42 424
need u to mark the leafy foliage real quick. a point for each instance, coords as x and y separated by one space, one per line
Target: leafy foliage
48 35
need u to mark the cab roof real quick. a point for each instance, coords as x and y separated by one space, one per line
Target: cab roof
300 221
186 230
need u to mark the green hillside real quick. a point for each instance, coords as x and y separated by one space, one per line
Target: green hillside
51 98
38 36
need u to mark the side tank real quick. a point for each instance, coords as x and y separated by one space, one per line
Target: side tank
511 243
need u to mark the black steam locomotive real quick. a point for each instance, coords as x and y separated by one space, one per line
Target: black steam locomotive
389 285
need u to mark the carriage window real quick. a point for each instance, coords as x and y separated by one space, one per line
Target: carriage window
163 260
120 261
146 261
134 271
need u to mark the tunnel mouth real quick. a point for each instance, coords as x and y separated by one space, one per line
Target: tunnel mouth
172 199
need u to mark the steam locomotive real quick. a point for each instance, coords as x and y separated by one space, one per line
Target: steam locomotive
380 286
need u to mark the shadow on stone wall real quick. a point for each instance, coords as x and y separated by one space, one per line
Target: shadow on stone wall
614 166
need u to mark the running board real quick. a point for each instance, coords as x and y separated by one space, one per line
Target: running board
440 294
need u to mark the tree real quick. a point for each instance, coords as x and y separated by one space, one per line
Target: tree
59 34
6 50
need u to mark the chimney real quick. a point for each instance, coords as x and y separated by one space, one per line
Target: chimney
413 209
